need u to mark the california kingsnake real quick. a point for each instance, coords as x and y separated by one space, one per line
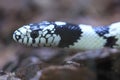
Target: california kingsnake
67 35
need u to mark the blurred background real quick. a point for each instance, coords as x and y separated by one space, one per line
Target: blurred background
16 13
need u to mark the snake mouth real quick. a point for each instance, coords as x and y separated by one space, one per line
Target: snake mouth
14 36
19 34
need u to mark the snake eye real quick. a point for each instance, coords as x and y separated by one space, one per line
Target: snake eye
34 34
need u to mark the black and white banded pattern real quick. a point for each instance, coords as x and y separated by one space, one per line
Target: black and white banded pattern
67 35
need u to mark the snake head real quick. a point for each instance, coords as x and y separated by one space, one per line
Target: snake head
37 34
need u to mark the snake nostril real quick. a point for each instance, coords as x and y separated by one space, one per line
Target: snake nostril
34 34
17 37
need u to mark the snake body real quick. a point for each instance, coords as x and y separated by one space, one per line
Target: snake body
67 35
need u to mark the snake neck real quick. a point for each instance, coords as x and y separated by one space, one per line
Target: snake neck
69 34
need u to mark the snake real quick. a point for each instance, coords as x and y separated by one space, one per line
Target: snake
67 35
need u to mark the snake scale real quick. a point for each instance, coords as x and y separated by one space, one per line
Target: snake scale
67 35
